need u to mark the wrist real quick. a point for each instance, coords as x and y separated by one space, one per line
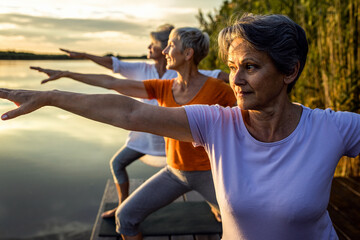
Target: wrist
48 97
66 74
84 55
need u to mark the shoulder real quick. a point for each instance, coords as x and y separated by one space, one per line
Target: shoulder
337 117
132 64
158 83
212 111
205 121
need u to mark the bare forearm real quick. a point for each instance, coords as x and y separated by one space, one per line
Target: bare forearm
111 109
124 112
124 86
103 61
99 80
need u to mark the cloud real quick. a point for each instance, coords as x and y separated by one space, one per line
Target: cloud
116 26
53 33
71 24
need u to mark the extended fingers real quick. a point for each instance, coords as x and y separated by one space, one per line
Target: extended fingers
35 68
64 50
44 70
21 110
52 77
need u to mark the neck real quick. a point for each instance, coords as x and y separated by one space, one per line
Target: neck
160 66
188 75
273 124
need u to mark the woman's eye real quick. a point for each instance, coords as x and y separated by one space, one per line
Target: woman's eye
250 66
232 68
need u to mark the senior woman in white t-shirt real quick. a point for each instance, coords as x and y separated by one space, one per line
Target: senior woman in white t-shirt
272 160
137 143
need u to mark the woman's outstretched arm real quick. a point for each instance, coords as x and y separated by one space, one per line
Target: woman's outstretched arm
124 86
113 109
103 61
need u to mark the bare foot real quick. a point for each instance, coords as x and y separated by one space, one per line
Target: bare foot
216 213
109 213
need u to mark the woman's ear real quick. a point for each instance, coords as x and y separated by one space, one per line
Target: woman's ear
189 53
292 76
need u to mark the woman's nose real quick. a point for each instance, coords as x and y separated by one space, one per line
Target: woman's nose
165 51
238 78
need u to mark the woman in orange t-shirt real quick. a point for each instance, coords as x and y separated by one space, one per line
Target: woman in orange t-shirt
188 167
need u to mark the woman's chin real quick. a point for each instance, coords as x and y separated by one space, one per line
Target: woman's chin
170 67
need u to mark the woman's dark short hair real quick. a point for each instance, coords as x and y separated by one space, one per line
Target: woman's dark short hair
162 34
277 35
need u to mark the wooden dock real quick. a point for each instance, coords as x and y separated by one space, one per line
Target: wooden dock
111 196
344 210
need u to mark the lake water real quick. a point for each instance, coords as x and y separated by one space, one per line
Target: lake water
53 164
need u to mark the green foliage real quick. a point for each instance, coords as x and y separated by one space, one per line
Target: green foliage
331 75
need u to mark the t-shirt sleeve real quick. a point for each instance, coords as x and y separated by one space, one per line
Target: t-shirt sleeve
202 119
131 70
210 73
158 89
348 124
150 86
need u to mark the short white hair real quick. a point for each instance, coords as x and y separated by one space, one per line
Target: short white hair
193 38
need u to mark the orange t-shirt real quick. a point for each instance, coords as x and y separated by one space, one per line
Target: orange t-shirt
183 155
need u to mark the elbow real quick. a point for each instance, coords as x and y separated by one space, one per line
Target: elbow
127 116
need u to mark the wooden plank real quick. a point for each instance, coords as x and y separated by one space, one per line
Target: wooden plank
208 237
344 208
96 228
352 184
345 229
345 201
110 195
182 237
157 238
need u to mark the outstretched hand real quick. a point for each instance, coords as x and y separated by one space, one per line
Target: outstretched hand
28 101
73 54
53 74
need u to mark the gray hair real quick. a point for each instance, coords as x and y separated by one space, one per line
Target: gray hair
193 38
162 34
277 35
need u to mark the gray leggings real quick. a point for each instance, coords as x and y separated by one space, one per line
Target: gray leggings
120 161
158 191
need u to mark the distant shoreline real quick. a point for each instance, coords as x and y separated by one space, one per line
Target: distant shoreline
12 55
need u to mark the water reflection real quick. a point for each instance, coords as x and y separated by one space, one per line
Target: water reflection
53 165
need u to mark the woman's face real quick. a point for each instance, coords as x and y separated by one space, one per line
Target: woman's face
173 54
155 51
256 82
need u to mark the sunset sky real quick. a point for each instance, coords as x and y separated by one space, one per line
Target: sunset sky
95 26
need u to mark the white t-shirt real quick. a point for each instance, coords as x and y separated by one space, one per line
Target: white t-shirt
277 190
139 141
